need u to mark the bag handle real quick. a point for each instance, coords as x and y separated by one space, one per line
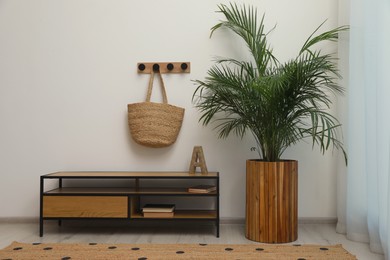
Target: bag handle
150 87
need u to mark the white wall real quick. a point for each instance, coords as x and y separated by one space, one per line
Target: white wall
68 71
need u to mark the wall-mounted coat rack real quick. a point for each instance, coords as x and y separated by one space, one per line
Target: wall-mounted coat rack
164 67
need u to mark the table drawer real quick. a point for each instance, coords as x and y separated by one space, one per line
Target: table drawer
85 206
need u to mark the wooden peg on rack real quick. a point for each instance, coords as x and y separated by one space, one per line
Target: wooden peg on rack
164 67
198 160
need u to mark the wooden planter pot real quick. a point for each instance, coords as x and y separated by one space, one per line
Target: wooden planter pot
272 201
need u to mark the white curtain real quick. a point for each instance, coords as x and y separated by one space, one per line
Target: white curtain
364 196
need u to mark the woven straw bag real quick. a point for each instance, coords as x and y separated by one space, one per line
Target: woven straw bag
155 124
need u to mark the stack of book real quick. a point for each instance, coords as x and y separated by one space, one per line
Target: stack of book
158 210
202 188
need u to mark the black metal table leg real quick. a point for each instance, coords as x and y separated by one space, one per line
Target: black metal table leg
217 224
41 207
218 207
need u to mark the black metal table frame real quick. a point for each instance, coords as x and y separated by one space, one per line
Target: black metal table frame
129 195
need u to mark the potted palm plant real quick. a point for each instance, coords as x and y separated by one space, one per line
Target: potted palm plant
280 104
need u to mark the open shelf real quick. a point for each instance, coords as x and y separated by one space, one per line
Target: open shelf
184 214
125 191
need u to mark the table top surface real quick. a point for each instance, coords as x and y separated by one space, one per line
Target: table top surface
124 174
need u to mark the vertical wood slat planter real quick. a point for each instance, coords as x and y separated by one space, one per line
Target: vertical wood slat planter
272 201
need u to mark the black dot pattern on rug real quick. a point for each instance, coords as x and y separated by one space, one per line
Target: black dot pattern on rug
142 258
112 247
135 248
48 248
228 249
203 244
259 249
324 248
179 252
35 244
92 244
66 258
18 248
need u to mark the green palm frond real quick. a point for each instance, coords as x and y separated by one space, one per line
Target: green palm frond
244 22
279 103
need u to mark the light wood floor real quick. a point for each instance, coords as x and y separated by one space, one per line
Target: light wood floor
73 232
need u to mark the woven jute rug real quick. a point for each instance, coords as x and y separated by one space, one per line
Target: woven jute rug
65 251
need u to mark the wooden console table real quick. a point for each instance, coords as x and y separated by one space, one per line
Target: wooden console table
111 202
